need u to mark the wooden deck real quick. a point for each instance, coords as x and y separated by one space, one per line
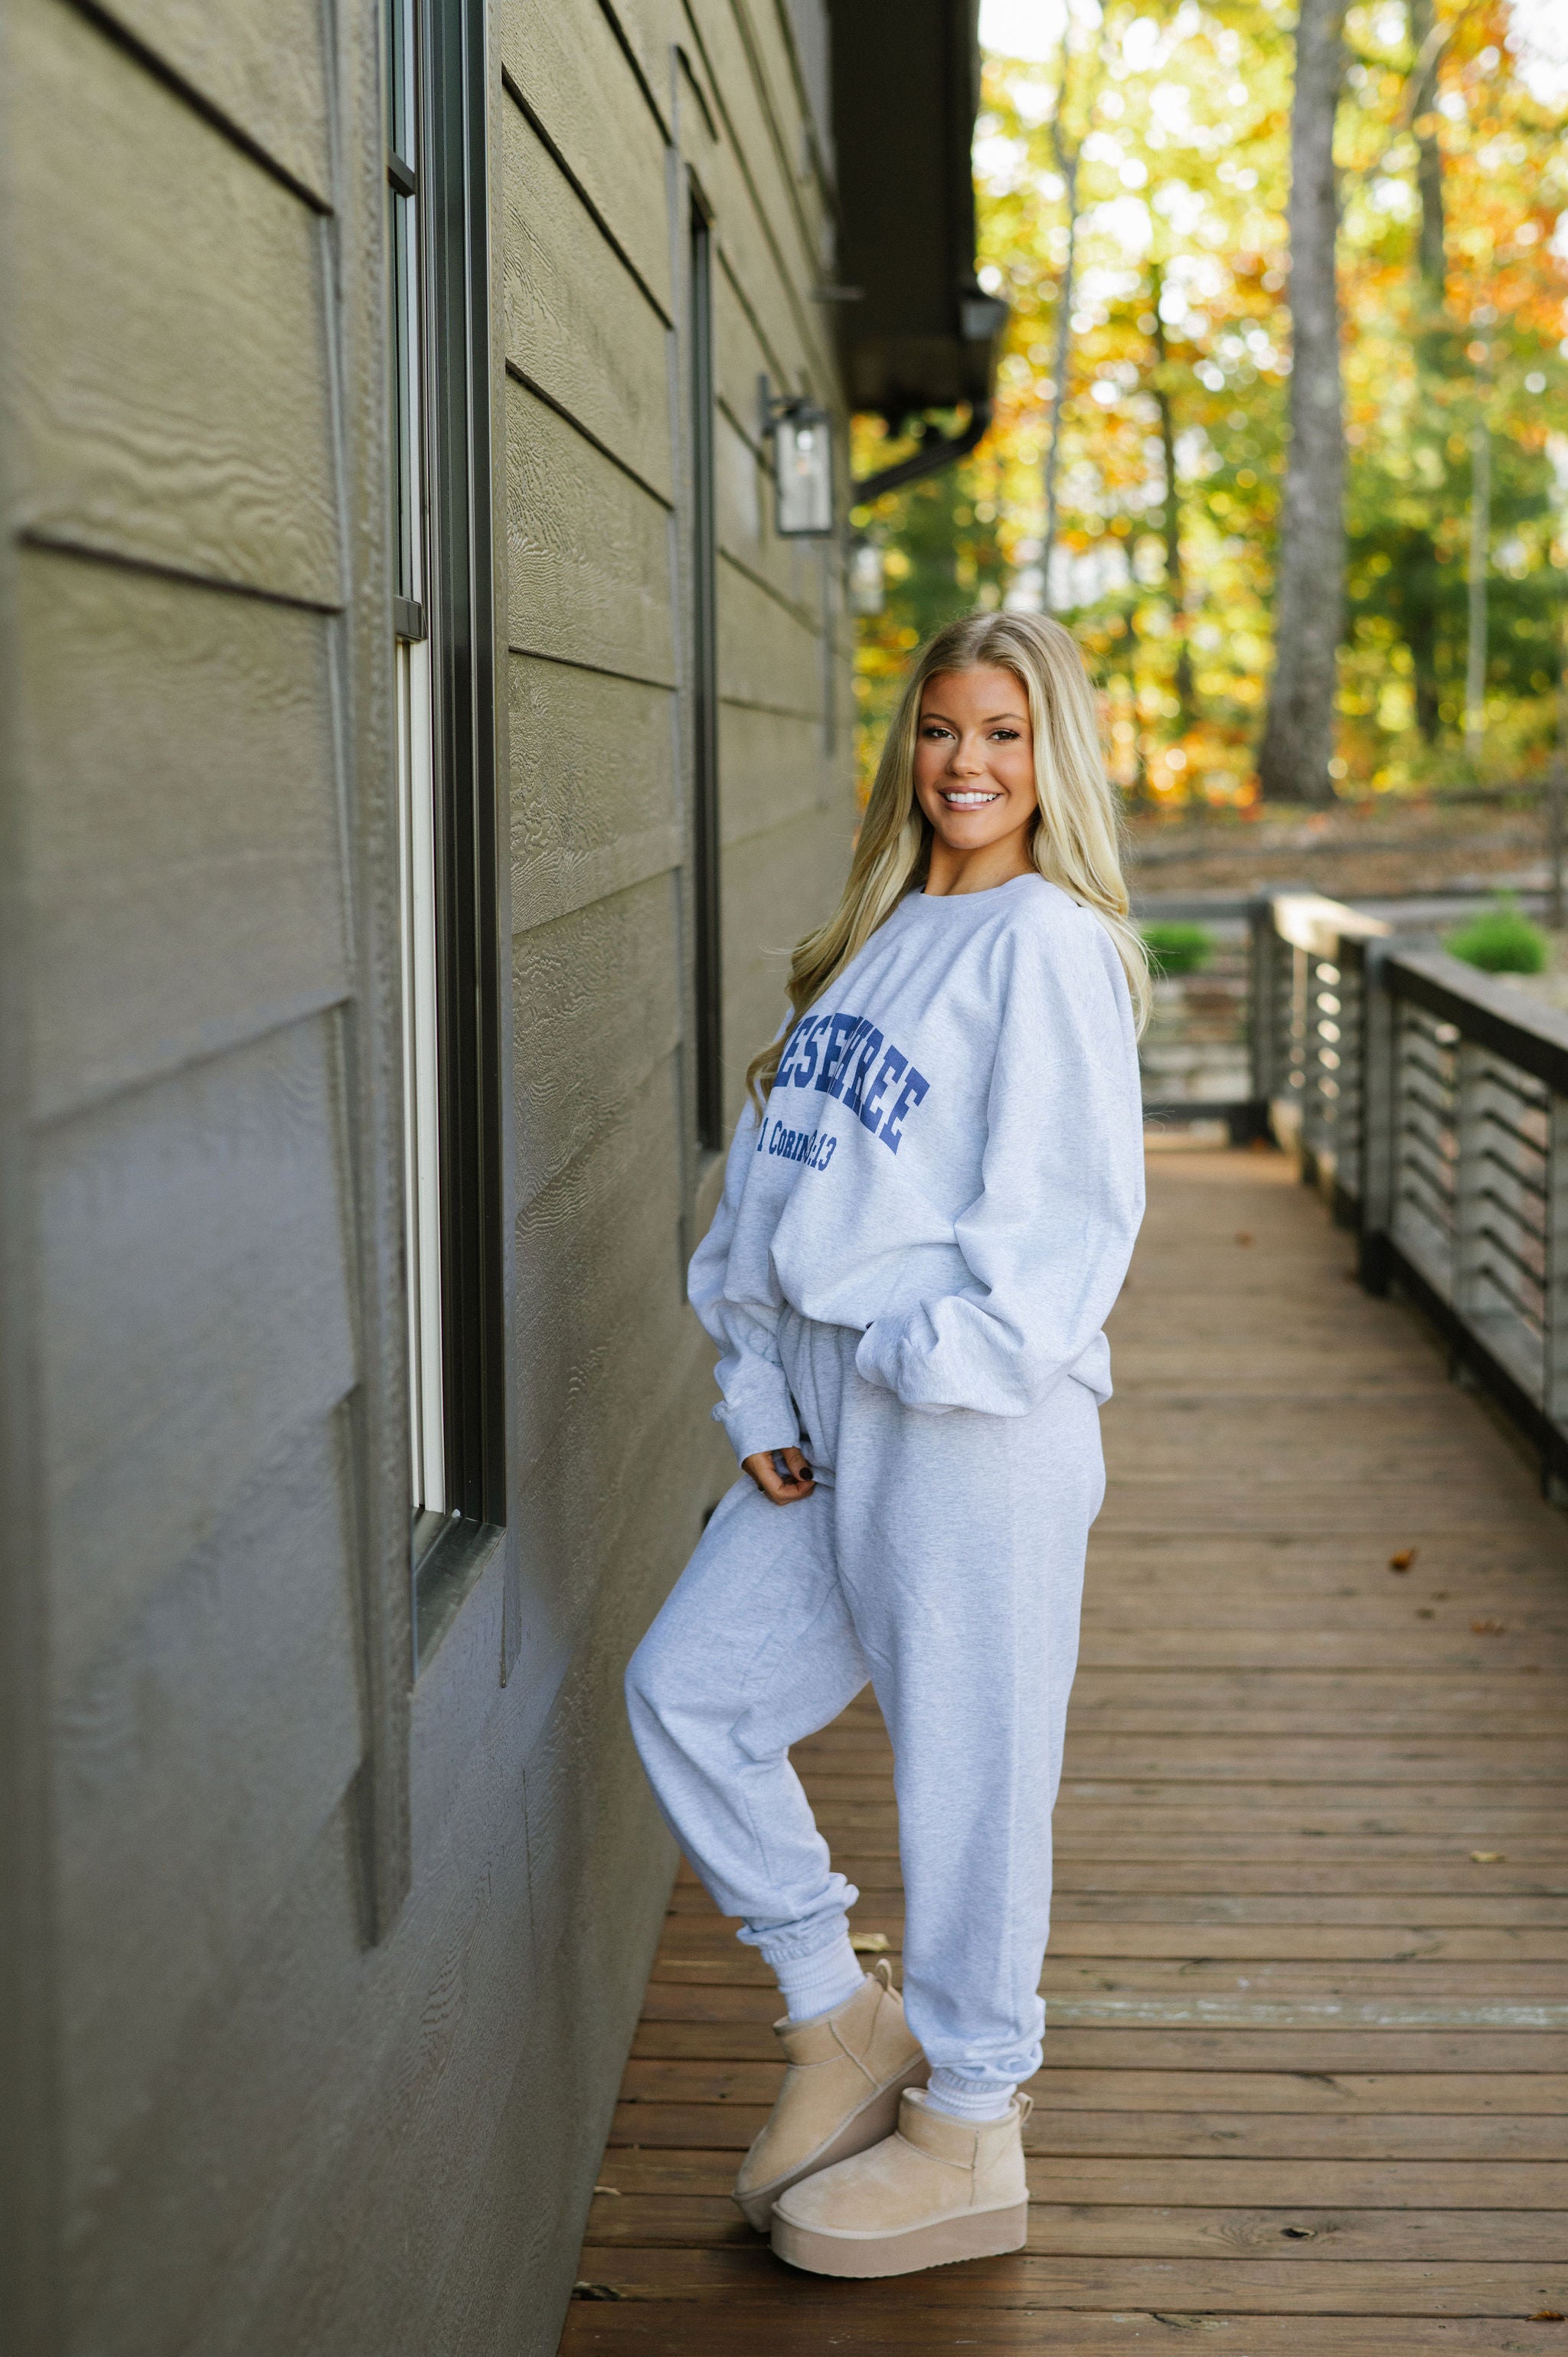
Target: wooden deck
1306 2078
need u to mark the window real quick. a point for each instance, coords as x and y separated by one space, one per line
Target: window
708 975
446 782
416 845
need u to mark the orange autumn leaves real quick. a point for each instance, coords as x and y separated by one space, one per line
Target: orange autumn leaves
1179 339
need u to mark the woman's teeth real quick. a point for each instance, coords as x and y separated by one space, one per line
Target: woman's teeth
968 802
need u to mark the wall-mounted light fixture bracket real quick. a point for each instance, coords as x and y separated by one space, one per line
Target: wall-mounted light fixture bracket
800 433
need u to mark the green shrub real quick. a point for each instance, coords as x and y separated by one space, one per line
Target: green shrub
1501 940
1178 949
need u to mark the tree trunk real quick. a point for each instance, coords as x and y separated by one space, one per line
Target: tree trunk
1298 739
1432 265
1141 793
1475 573
1432 250
1067 161
1419 604
1557 791
1176 584
1067 148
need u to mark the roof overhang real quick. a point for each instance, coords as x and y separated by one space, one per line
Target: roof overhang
905 87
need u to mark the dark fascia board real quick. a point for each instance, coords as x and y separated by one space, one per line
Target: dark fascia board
905 87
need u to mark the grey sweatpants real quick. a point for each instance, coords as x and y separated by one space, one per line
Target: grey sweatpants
941 1557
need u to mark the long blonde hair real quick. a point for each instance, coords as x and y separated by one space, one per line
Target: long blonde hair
1074 840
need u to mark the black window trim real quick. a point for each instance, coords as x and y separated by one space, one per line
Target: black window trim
447 1550
707 951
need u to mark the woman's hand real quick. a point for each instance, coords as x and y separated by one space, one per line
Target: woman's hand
781 1474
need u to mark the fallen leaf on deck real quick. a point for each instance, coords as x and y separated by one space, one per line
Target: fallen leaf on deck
1488 1857
1403 1561
870 1943
1488 1628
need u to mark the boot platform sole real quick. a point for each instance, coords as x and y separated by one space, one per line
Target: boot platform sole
972 2235
877 2118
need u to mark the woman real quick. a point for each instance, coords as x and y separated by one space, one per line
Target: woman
928 1209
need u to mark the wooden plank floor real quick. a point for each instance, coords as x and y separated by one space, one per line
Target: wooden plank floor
1307 2072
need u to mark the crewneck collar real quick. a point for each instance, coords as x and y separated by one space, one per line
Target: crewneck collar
925 899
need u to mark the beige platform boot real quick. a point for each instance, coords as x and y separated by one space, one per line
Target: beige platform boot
938 2190
847 2070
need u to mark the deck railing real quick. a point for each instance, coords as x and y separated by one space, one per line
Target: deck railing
1430 1103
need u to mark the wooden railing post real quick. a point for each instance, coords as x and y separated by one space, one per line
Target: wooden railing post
1262 1011
1312 961
1379 1117
1555 1355
1295 996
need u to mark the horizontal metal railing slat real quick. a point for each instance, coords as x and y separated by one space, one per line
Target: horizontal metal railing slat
1434 1101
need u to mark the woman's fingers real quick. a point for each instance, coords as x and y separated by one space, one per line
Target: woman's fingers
781 1474
784 1475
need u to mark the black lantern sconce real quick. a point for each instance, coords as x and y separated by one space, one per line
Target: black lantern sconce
801 436
982 318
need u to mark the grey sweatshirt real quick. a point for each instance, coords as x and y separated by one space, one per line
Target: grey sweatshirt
951 1162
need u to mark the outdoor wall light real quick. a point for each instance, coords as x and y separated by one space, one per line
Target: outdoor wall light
982 317
867 577
802 435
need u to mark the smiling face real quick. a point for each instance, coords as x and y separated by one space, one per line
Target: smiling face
974 777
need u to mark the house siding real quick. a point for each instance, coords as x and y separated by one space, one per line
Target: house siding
329 1973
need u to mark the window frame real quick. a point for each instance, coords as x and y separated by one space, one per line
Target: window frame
443 545
707 945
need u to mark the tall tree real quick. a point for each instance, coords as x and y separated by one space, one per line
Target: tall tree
1067 145
1478 564
1175 583
1420 573
1298 737
1427 39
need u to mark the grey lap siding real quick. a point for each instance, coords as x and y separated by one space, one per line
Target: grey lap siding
325 1974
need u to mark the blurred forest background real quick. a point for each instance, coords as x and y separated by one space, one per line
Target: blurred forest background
1134 166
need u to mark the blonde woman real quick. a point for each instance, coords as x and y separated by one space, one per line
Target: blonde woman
928 1209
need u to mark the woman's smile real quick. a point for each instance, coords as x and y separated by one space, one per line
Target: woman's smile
974 778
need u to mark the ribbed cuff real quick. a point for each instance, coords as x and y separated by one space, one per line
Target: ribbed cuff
767 1420
879 1360
876 1358
762 1434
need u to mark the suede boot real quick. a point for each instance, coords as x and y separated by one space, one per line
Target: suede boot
938 2190
847 2070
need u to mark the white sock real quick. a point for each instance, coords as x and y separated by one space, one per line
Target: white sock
820 1982
974 2099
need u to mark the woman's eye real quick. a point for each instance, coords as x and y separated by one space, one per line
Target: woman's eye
1005 736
